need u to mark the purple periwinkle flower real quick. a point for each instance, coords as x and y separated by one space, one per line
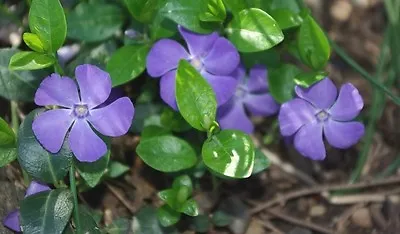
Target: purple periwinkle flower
213 56
252 96
319 111
80 111
11 221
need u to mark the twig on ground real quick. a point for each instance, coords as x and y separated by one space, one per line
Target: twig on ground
343 218
120 197
267 224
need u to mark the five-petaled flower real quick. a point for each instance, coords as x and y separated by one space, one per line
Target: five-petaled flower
252 96
213 56
12 221
82 110
319 111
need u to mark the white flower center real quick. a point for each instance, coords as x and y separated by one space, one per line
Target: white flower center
196 63
81 110
322 115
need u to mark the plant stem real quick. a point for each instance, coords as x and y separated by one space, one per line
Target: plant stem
14 116
75 196
389 170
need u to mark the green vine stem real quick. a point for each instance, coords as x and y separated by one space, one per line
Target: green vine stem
75 196
14 116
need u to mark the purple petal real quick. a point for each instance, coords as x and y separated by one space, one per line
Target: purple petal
309 142
94 84
115 94
164 56
342 135
223 86
233 116
57 90
50 128
239 73
84 143
223 58
257 81
321 94
198 44
294 114
11 221
348 105
261 104
115 119
167 89
36 187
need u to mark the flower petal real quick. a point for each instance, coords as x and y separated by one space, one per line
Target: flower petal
233 116
12 222
36 187
342 135
94 84
239 73
294 114
164 56
223 86
57 90
321 94
309 142
222 59
115 119
84 143
261 104
348 105
50 128
257 81
198 44
167 89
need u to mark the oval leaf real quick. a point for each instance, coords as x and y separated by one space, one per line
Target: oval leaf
167 153
148 223
167 216
94 171
306 79
230 153
30 60
214 11
33 41
286 18
46 212
47 20
143 10
281 82
195 97
8 151
254 30
88 224
37 161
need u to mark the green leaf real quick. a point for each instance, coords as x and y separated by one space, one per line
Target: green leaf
162 28
235 6
306 79
94 171
230 153
148 223
221 219
93 22
167 216
270 58
33 41
8 151
254 30
47 20
144 112
167 153
286 18
127 63
313 46
119 226
143 10
173 121
195 97
116 169
190 208
183 180
261 162
88 224
7 155
281 82
201 223
37 161
154 131
214 11
46 212
30 60
187 14
285 4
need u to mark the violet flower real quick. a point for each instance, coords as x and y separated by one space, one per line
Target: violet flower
80 109
213 56
11 221
252 96
319 111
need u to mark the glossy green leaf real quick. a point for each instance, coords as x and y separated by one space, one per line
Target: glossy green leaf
214 11
173 120
286 18
190 208
37 161
230 153
169 197
167 153
306 79
143 112
235 6
46 212
313 46
292 5
148 223
281 82
143 10
261 162
30 60
270 58
195 97
93 22
167 216
33 41
88 223
183 180
47 20
127 63
17 85
254 30
162 28
154 131
8 151
221 219
116 169
94 171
